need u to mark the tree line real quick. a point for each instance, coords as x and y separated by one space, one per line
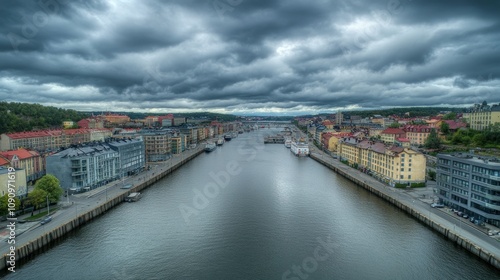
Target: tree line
18 117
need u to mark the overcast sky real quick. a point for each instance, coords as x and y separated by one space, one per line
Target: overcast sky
249 56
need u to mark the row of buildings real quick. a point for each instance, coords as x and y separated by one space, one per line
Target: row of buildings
392 164
87 158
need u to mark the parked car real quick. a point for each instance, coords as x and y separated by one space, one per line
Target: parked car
437 205
465 216
460 214
471 219
46 220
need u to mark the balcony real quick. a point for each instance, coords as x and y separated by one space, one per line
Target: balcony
496 178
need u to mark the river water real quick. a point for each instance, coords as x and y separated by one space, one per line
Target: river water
254 211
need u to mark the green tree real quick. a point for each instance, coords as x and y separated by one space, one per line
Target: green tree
450 116
432 141
479 139
394 125
4 204
432 174
445 128
37 197
50 184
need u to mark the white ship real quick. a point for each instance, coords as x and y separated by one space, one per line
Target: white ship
220 141
288 142
300 148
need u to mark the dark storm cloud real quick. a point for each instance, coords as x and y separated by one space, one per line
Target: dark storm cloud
249 56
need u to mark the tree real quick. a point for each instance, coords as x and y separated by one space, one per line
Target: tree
4 204
445 128
50 184
37 197
450 116
394 125
433 141
432 174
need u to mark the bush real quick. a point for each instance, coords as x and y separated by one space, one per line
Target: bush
400 185
417 185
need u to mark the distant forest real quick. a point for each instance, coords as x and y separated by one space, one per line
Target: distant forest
16 117
413 112
199 115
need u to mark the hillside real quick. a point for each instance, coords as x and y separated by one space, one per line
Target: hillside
17 117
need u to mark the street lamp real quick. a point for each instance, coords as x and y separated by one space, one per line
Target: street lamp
48 206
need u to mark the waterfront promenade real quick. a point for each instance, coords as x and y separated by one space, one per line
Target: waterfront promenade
79 209
461 231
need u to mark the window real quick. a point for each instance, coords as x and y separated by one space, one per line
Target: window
409 177
401 177
402 169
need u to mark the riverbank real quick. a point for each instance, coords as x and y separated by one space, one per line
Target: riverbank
447 229
55 231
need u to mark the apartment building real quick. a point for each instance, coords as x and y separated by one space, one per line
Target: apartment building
44 139
480 117
132 156
85 167
417 134
471 184
30 161
158 146
19 181
390 135
392 164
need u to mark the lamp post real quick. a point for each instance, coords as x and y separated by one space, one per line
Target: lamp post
48 206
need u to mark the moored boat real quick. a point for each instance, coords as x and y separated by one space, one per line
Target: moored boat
299 148
220 141
210 147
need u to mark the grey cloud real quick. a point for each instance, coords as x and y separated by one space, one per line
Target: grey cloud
251 55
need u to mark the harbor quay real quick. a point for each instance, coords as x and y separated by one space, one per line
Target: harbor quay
475 241
37 238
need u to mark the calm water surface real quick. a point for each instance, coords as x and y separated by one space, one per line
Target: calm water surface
278 217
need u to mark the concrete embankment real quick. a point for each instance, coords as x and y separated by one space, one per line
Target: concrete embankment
449 233
44 241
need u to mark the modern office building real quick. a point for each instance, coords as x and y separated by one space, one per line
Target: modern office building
92 165
85 167
471 184
131 152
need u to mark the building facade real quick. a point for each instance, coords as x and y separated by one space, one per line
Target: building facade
470 184
132 156
85 168
480 117
391 164
14 177
158 146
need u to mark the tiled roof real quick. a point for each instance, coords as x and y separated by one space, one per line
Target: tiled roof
455 125
20 153
391 130
3 161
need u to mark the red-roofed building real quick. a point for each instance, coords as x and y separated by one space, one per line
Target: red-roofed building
328 124
417 133
454 125
30 161
91 123
44 139
166 121
404 142
389 135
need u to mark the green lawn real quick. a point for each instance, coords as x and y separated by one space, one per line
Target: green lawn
41 214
